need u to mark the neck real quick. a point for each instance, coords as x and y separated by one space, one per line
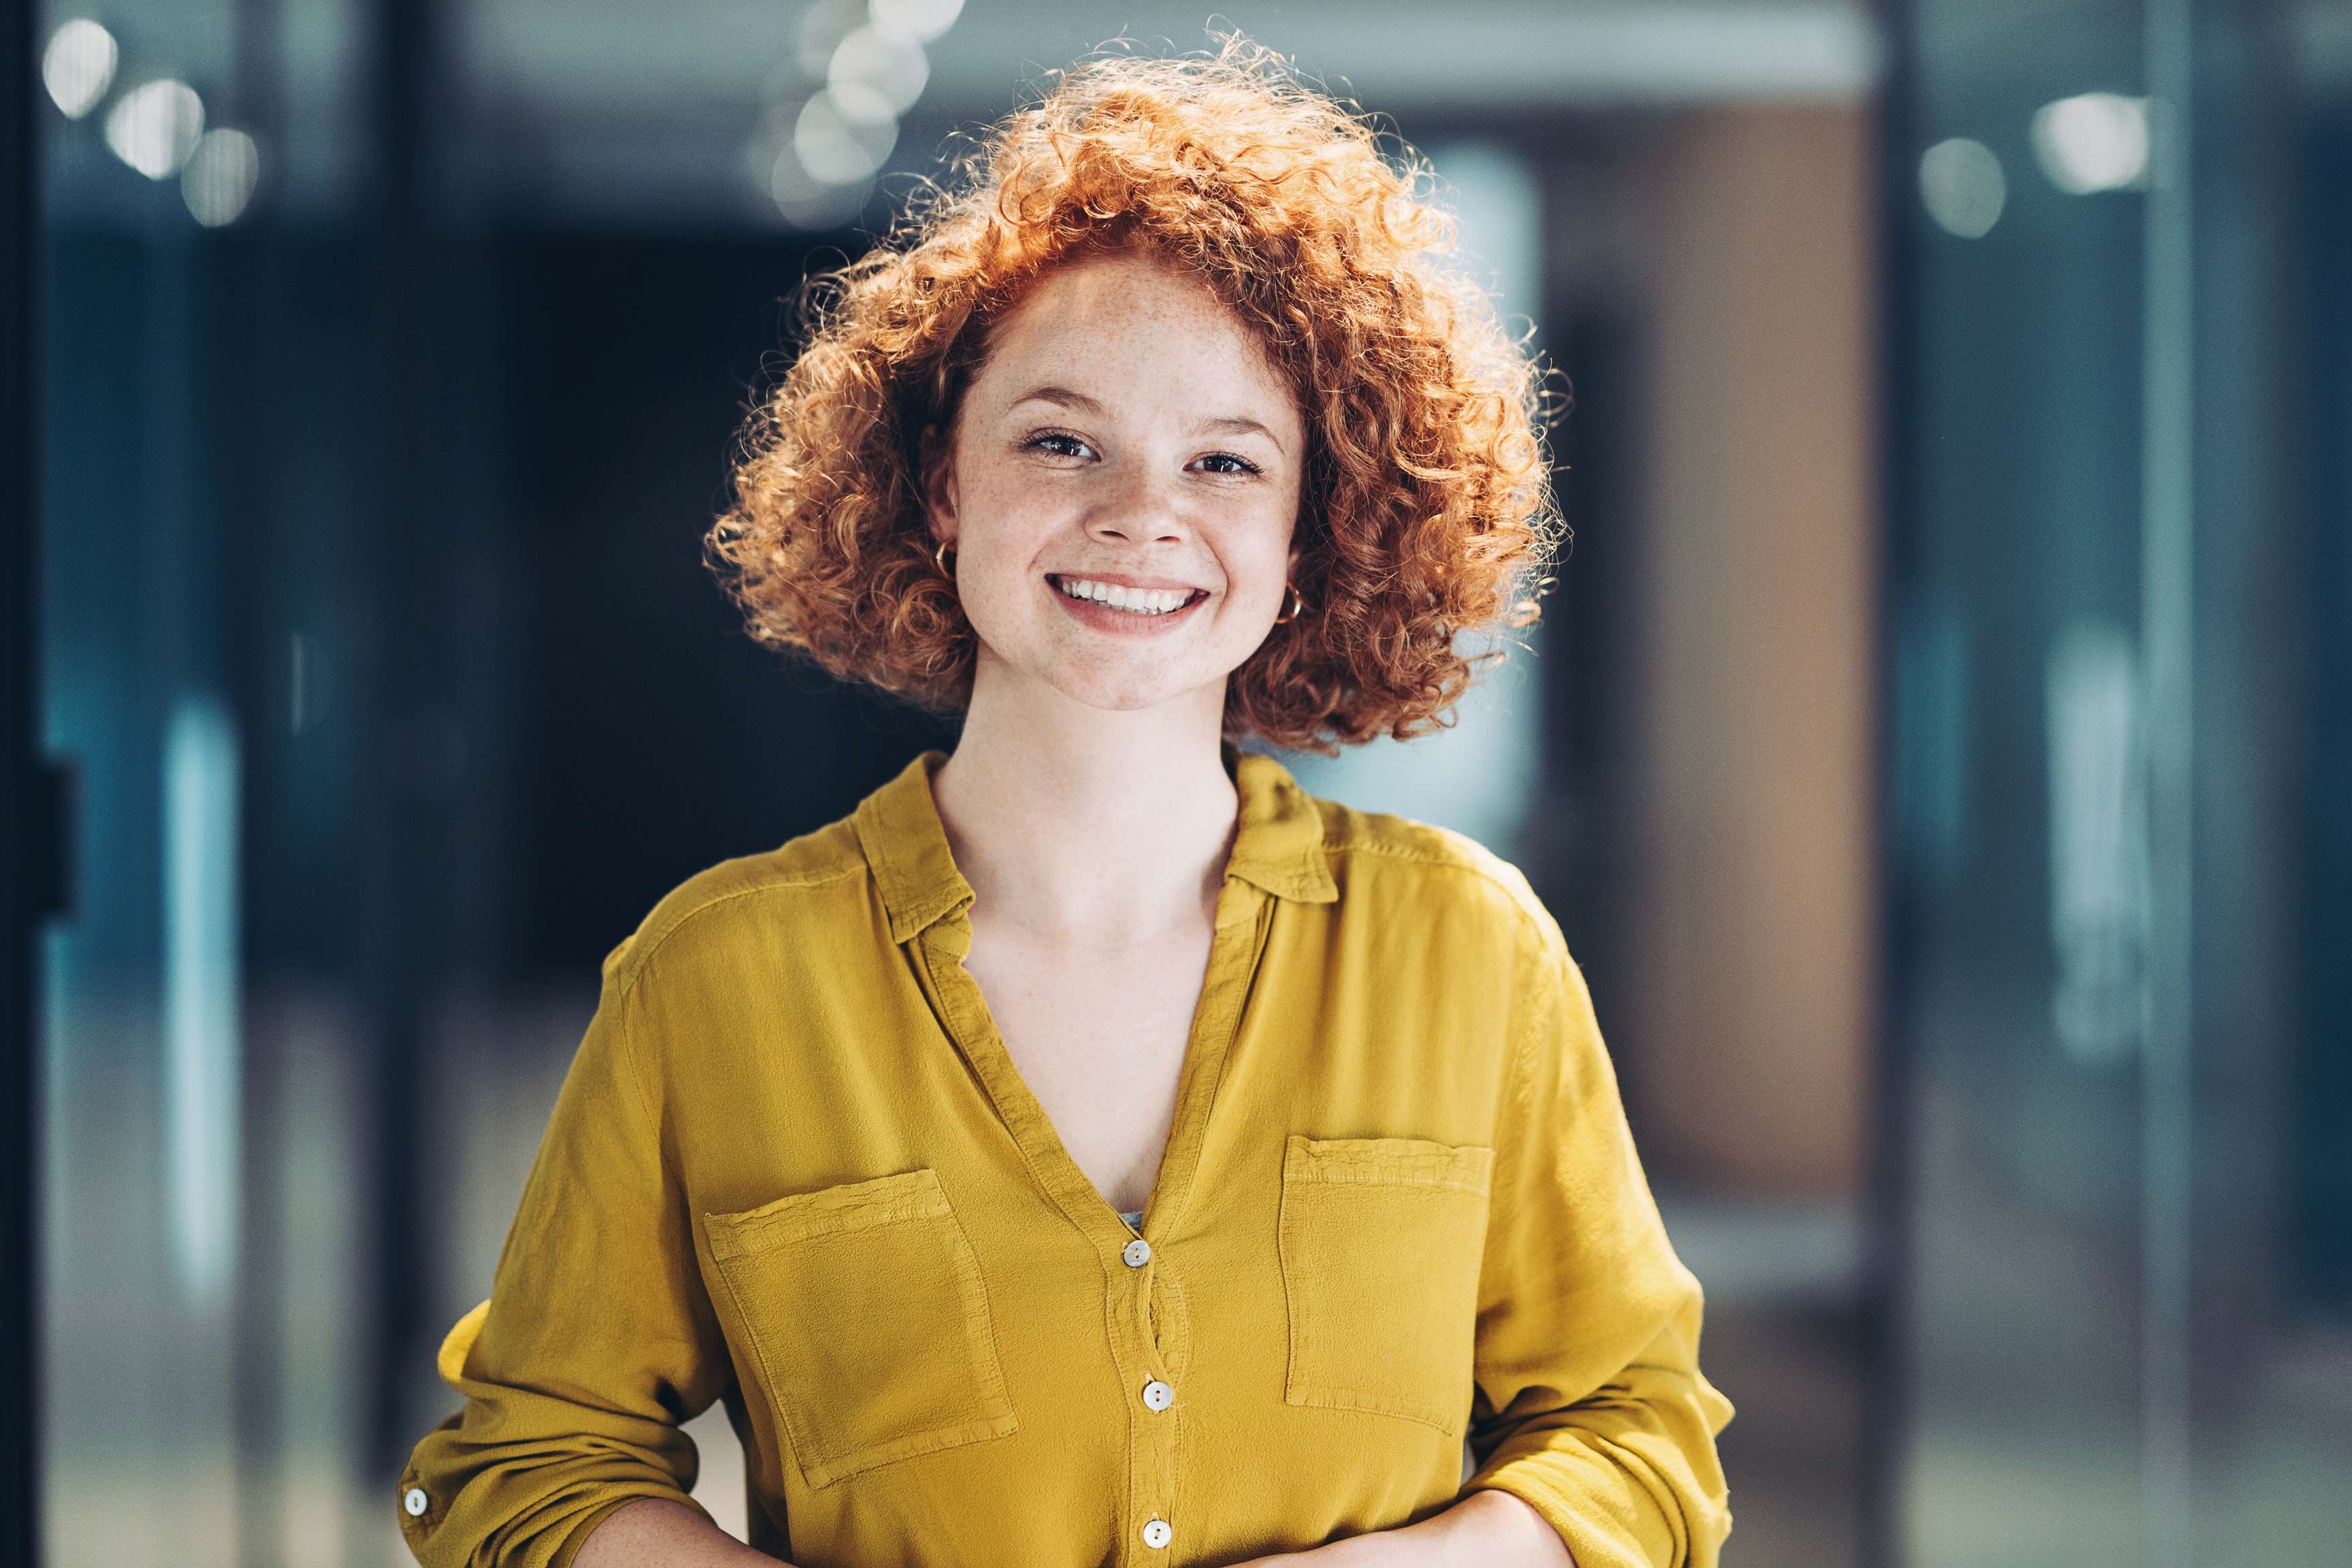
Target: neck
1084 825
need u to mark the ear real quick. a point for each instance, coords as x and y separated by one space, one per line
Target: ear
936 485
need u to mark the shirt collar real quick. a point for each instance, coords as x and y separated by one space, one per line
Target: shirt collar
1277 840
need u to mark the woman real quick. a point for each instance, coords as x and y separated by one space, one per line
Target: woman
1095 1150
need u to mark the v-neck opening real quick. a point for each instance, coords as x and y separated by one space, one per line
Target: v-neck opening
1235 948
1277 856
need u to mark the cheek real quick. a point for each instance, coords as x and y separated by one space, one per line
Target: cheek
993 530
1002 525
1273 529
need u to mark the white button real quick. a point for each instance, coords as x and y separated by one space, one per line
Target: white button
415 1502
1158 1395
1137 1253
1156 1533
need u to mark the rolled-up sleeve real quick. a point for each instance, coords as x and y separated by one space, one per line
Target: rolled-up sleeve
1590 1405
596 1343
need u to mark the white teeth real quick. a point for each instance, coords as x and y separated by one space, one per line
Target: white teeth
1134 601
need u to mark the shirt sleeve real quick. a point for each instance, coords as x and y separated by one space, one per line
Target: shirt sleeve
1590 1405
596 1343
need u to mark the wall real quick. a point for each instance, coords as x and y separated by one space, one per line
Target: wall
1752 808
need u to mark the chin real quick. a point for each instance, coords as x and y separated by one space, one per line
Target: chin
1118 698
1130 692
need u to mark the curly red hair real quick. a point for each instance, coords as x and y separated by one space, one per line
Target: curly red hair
1425 509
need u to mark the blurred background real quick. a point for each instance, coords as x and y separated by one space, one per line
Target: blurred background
1937 749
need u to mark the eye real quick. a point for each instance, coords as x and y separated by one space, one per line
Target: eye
1057 444
1228 463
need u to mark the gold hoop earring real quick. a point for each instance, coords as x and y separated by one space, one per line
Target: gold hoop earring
1298 605
940 559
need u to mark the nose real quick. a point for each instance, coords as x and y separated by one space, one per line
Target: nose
1137 506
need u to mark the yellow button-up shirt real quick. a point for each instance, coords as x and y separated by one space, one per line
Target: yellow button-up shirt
792 1167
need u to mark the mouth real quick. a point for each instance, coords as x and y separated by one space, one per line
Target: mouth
1141 604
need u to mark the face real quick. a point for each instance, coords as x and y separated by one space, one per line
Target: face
1120 490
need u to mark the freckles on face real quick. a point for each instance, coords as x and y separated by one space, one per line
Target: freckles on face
1122 486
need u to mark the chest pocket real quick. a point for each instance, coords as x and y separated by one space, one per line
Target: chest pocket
865 1311
1380 1241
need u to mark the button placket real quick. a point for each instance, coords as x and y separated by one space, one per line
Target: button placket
1137 1286
1153 1423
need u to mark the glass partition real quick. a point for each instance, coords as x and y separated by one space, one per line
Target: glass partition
2114 1013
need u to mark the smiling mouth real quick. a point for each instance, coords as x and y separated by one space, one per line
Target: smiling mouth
1144 602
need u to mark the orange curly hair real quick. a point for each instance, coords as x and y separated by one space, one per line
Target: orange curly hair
1425 508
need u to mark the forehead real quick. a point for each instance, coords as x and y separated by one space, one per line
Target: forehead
1132 329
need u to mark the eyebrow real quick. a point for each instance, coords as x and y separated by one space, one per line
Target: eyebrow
1233 426
1064 398
1060 397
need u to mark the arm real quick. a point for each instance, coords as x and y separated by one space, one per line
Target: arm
1488 1529
1594 1430
1590 1405
651 1532
596 1343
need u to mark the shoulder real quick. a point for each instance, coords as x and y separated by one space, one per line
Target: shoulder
801 883
1395 863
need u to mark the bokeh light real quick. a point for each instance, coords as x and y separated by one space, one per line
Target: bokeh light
2092 141
155 126
892 68
917 21
842 137
823 28
1962 186
78 66
806 201
220 176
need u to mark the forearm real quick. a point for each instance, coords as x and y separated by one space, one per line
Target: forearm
1492 1529
653 1532
1487 1529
